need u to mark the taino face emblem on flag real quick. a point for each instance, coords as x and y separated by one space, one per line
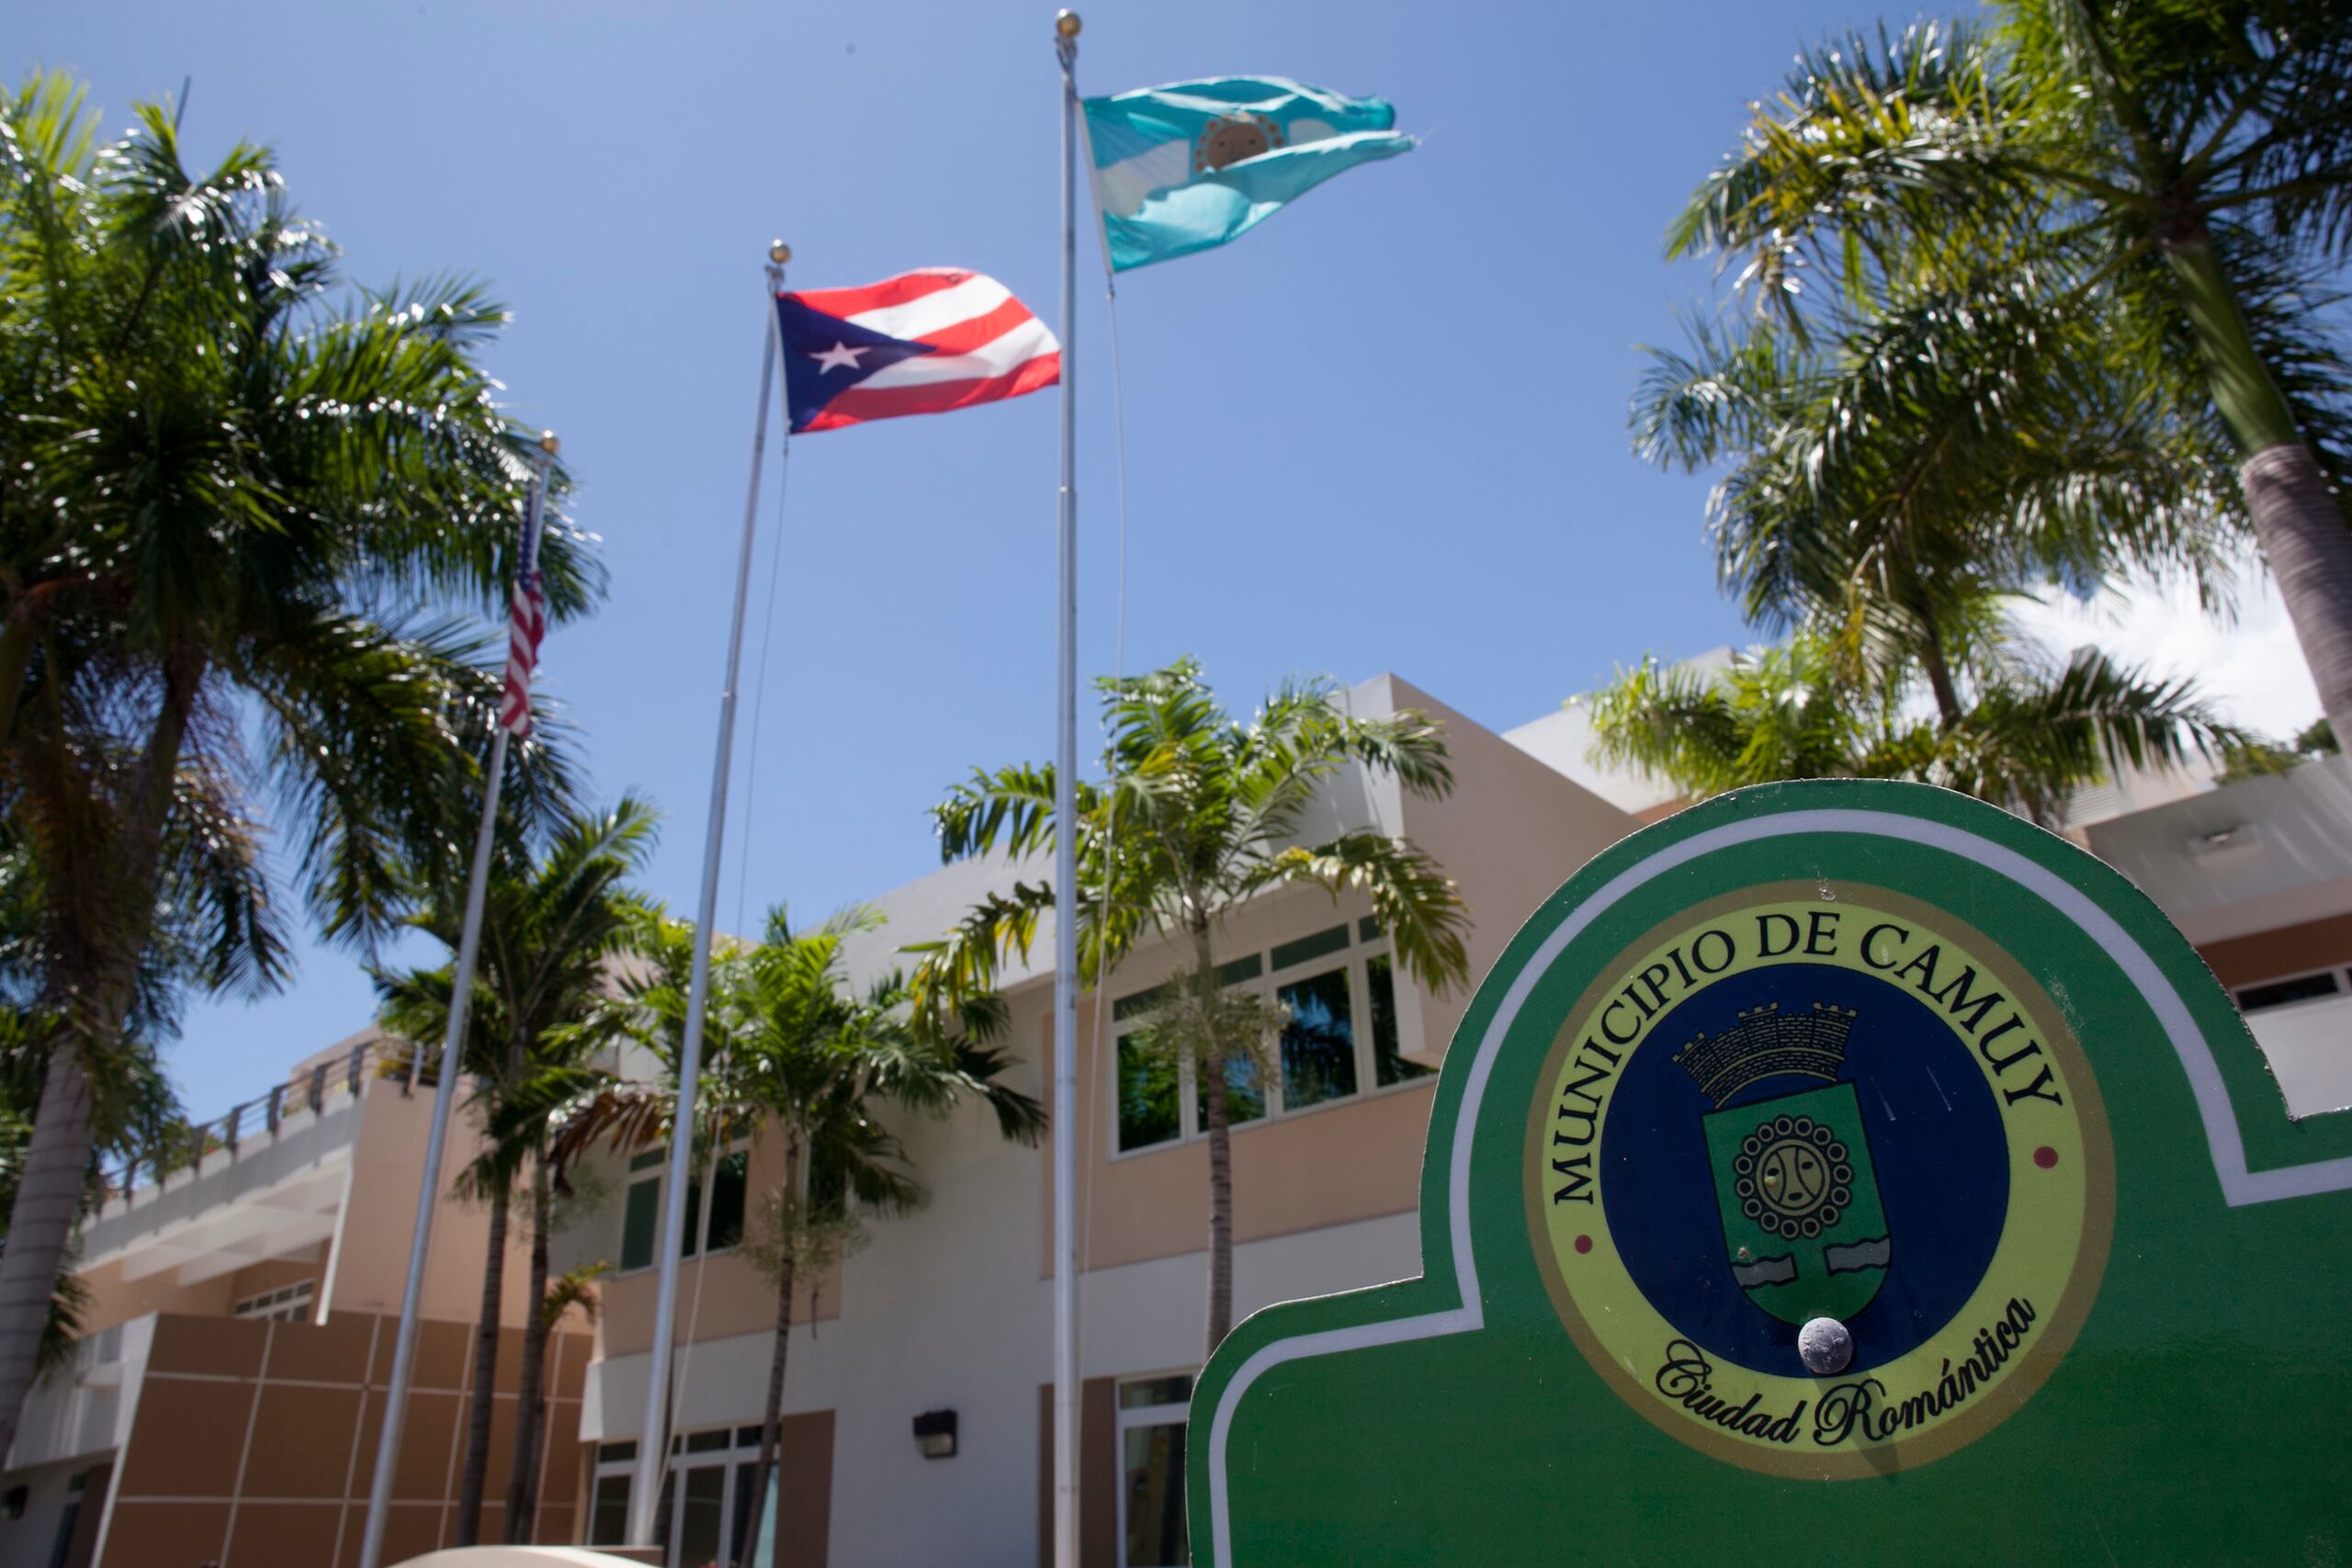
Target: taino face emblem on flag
1777 1107
1229 139
922 342
1804 1228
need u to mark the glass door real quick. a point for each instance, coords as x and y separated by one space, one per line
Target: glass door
700 1527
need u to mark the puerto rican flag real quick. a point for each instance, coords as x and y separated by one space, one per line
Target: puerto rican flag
923 342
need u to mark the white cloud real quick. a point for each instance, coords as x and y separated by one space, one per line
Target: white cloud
2251 667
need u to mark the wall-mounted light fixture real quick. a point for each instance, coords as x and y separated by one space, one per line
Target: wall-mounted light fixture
935 1434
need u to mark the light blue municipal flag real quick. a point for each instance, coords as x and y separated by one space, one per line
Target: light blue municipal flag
1188 166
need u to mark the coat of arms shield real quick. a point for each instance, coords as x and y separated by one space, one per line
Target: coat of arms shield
1804 1231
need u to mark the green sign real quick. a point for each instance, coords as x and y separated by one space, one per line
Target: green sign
1877 1066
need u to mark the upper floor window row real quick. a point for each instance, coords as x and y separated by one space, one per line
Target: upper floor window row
1337 988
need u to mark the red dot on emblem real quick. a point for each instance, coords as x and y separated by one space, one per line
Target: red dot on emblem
1584 1244
2045 1156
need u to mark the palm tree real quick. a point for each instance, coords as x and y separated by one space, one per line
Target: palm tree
1199 815
794 1049
552 925
2187 166
222 484
2026 738
1912 454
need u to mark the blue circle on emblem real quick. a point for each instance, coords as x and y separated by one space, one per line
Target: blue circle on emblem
1871 1183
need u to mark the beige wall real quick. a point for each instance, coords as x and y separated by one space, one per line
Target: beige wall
370 1267
379 1217
1508 835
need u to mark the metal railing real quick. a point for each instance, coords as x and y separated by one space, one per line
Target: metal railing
173 1150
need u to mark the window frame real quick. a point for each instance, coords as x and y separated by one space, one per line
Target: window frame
655 1173
295 1303
743 1449
2335 972
1367 941
1177 1415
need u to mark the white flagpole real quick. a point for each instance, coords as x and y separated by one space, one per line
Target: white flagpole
461 996
653 1443
1067 1415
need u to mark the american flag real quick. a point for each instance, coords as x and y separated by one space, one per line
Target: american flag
526 624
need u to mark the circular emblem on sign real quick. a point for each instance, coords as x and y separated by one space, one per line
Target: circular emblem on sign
1826 1108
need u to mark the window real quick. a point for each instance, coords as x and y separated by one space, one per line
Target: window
642 1214
2279 993
608 1513
1342 1038
706 1503
67 1520
1319 1040
1388 1066
641 1210
291 1304
1149 1088
1151 1472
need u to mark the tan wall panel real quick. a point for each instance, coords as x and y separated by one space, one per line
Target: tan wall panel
410 1530
568 1373
212 1346
185 1438
554 1526
1098 1474
444 1356
2289 950
336 1351
282 1535
804 1490
302 1441
429 1435
165 1535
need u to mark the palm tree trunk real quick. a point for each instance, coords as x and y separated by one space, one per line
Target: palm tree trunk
1216 1114
96 994
40 1223
522 1485
476 1476
772 1419
15 658
2296 520
1948 711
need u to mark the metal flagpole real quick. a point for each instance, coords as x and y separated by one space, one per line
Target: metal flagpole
653 1443
388 1444
1066 1416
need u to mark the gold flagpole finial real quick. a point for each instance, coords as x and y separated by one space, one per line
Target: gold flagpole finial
1066 24
778 252
549 444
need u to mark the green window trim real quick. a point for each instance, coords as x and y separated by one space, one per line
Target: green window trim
1310 947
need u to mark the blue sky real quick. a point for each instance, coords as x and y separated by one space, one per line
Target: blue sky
1385 430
